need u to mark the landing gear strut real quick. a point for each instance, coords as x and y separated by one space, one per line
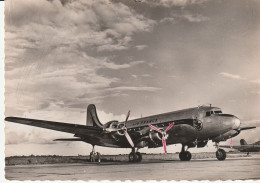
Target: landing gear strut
94 155
184 154
135 156
220 153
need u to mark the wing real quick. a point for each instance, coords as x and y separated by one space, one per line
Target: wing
88 134
247 128
248 147
228 146
58 126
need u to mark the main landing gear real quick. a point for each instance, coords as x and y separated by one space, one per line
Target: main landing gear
135 156
220 153
94 155
184 155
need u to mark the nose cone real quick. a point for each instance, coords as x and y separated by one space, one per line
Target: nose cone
236 123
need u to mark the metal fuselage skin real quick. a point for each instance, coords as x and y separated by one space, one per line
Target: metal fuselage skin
190 126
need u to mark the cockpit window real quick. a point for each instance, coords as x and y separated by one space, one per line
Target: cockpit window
209 113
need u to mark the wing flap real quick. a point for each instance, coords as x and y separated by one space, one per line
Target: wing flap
58 126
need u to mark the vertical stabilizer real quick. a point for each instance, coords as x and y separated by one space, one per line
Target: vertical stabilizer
243 142
92 118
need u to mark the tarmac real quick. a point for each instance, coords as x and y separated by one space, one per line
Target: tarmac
245 168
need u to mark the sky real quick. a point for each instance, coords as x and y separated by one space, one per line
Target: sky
149 57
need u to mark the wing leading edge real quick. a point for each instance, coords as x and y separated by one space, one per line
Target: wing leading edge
58 126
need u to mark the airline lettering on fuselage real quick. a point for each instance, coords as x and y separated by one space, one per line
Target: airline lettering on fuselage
145 122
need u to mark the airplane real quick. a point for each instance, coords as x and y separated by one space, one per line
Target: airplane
244 147
192 127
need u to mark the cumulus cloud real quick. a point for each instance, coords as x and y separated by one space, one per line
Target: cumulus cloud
232 76
49 48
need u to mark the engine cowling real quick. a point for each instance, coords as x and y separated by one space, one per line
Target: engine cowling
156 138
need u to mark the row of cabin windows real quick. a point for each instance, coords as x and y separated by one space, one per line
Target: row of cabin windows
157 125
208 113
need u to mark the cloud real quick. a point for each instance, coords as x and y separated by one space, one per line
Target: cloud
257 81
134 88
168 20
232 76
140 47
50 47
171 3
143 75
172 76
195 18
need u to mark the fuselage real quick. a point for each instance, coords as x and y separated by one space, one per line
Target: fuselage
191 126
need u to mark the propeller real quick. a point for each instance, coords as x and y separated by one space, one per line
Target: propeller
129 139
164 133
231 142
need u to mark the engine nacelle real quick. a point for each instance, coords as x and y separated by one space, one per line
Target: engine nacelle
225 136
156 138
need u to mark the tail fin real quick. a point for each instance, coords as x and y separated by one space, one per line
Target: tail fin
92 118
243 142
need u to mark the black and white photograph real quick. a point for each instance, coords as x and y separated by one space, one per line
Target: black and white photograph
131 90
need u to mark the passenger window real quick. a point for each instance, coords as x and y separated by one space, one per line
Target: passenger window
208 113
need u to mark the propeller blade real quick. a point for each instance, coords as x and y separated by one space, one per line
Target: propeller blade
129 138
164 144
169 127
231 142
127 116
154 128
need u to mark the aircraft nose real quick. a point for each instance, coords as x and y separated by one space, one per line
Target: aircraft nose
236 123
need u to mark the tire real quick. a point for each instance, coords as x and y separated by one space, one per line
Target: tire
138 157
185 156
221 154
132 157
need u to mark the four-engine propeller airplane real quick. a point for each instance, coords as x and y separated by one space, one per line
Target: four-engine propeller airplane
244 147
192 127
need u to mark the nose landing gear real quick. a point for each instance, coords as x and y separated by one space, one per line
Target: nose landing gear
135 156
220 153
184 154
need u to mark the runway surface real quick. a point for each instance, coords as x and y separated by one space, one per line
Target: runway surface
209 169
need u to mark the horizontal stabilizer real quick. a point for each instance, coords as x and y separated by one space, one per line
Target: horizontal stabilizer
68 139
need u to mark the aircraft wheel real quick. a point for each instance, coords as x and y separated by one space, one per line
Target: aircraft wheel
138 157
221 154
132 157
185 156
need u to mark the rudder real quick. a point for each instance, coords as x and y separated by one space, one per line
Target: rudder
92 118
